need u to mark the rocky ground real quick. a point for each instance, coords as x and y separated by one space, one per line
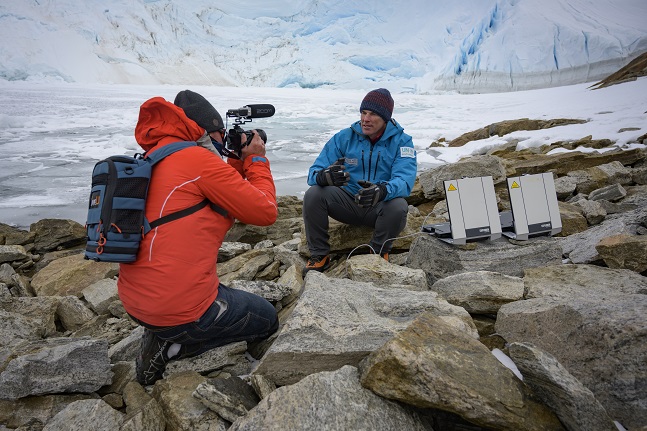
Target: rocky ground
544 334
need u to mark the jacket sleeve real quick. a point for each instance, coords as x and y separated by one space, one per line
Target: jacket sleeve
236 164
329 155
252 201
403 173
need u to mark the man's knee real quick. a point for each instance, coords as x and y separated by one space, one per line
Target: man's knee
396 208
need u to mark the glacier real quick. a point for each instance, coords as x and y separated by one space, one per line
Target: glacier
419 46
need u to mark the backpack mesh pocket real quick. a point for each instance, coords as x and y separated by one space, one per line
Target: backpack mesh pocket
133 187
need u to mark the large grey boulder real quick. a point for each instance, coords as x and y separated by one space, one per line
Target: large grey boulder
70 275
567 281
332 401
55 365
439 259
182 410
479 292
431 180
338 322
574 404
374 269
96 415
432 365
580 247
599 339
26 318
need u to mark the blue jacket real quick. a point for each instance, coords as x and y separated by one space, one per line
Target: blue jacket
391 160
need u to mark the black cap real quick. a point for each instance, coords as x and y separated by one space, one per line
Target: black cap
197 108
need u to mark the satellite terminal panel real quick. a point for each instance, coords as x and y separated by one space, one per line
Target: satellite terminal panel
534 207
473 212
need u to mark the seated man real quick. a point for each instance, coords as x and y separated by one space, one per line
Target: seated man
361 177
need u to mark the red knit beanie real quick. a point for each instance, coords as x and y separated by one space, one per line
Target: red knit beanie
380 102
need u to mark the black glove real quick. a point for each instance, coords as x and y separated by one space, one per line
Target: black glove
370 194
333 175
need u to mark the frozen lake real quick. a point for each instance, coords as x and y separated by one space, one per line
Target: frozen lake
51 135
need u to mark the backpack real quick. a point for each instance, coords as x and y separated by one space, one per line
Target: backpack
116 222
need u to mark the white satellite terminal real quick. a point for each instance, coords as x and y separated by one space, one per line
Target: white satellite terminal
535 211
473 212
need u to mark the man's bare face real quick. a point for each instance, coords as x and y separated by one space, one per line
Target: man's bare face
372 124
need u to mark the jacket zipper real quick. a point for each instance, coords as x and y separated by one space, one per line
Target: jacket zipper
377 161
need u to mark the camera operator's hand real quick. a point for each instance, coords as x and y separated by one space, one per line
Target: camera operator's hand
333 175
370 194
257 146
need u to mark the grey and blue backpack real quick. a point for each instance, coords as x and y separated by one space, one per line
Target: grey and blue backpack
116 222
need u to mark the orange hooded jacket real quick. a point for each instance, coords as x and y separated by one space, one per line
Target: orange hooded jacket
174 279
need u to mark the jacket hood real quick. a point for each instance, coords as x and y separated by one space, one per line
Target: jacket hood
159 119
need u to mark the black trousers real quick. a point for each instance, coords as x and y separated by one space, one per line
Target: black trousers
388 218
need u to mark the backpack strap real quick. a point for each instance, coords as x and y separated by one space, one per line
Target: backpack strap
160 154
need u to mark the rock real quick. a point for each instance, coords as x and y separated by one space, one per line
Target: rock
181 410
592 211
101 294
10 235
580 247
227 357
374 269
439 259
624 251
600 176
127 348
572 219
568 281
54 366
262 386
23 319
574 404
230 397
600 340
564 187
479 292
503 128
144 412
332 400
613 193
73 313
229 250
432 365
338 322
29 411
70 275
53 234
431 180
564 163
96 415
11 253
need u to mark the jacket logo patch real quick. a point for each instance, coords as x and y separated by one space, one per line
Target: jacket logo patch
352 162
407 152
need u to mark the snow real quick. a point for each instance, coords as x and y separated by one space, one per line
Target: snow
421 46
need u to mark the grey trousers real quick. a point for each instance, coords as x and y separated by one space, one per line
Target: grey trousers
388 218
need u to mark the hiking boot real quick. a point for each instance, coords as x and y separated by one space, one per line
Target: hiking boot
317 263
151 361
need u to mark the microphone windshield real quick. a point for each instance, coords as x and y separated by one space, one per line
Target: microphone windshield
261 110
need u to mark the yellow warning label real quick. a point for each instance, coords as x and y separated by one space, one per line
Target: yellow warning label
451 188
515 185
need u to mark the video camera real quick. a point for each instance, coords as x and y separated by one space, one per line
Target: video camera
237 138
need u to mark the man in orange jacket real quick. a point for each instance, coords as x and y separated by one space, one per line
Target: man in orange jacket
172 289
